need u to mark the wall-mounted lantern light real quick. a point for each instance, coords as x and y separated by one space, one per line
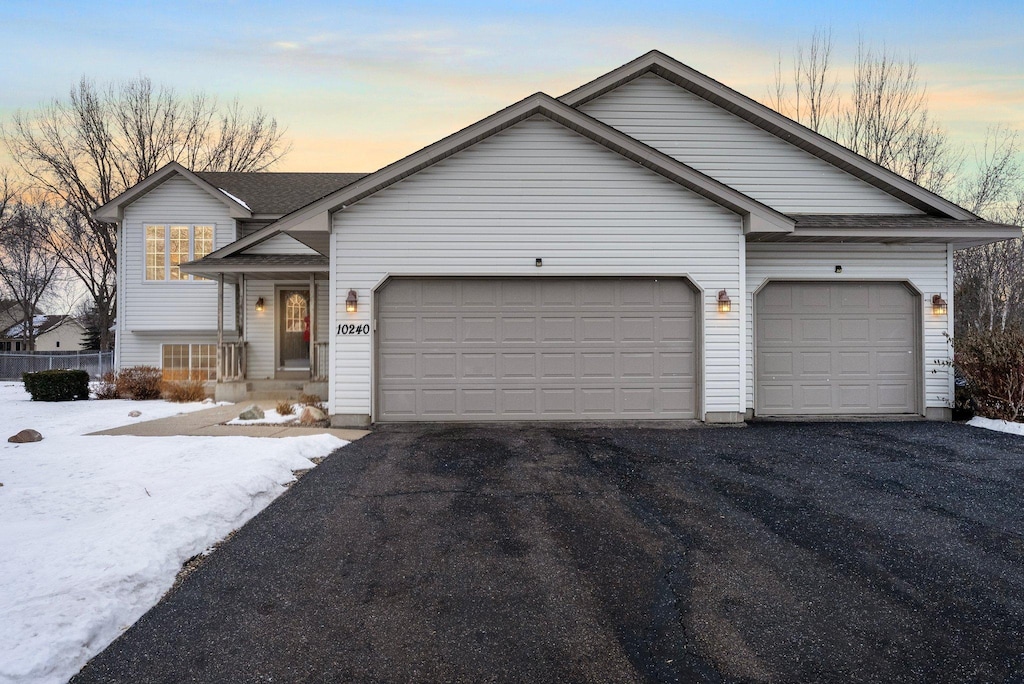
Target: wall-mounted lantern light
352 302
724 303
839 268
939 306
260 305
539 262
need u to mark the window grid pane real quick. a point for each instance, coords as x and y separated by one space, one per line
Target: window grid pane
179 251
204 362
155 253
175 362
295 313
202 243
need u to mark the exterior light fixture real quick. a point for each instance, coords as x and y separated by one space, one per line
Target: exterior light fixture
539 262
939 306
724 303
352 302
839 268
260 305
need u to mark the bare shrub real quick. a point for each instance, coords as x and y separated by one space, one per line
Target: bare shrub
106 388
139 383
991 364
285 408
182 391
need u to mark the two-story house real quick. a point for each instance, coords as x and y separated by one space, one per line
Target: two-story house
651 245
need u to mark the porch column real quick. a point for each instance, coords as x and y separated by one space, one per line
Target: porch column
312 325
220 327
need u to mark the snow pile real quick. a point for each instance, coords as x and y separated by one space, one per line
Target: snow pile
270 417
997 425
95 529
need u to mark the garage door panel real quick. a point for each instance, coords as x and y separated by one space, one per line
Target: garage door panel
537 348
435 329
479 366
518 329
558 365
480 402
676 329
519 366
854 330
859 354
557 329
439 366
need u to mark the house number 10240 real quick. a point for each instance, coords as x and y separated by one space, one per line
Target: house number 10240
352 329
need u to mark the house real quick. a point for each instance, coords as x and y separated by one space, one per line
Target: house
52 333
11 312
651 245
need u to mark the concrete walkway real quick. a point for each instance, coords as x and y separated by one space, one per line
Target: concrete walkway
209 423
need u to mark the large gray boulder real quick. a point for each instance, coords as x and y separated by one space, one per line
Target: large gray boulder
253 412
25 436
311 415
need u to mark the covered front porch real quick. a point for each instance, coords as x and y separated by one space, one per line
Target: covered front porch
275 341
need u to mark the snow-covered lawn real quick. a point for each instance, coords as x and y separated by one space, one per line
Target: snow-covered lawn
997 425
93 530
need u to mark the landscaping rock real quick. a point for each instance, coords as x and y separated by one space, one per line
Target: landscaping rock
25 436
135 414
311 415
254 412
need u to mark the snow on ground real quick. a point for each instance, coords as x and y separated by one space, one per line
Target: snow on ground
997 425
95 529
270 417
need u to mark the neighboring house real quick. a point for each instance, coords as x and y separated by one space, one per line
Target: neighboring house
11 313
652 245
52 333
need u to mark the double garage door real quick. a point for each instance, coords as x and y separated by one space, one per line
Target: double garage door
837 348
490 349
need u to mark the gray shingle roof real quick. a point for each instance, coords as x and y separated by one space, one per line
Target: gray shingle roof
236 261
278 193
887 221
41 323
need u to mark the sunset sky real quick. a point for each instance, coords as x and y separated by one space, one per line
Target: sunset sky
359 85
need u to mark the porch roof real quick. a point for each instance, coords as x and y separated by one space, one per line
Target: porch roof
261 267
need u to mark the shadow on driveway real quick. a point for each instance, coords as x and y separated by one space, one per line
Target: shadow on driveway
779 552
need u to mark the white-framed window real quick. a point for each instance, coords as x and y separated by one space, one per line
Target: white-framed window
169 246
189 361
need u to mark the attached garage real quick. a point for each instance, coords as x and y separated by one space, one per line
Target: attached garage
830 348
526 348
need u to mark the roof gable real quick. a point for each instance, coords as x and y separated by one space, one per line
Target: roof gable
662 65
113 211
310 224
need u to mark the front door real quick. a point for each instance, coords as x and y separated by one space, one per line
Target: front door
294 327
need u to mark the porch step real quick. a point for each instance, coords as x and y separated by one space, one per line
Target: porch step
272 390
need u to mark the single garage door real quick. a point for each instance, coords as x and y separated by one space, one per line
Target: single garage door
836 348
487 349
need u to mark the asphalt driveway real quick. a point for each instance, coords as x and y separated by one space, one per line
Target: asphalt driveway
784 552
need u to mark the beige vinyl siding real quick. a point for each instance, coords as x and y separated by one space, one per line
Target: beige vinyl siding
148 309
736 152
281 244
923 266
535 190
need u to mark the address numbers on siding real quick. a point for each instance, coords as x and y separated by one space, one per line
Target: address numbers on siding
352 329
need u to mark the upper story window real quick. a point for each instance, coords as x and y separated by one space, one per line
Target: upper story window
167 247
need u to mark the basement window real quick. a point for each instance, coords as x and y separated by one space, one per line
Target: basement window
189 362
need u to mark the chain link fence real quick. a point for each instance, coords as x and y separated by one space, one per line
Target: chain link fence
13 364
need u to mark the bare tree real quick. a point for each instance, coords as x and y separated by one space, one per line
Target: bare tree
27 269
990 278
882 114
887 121
85 150
814 100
